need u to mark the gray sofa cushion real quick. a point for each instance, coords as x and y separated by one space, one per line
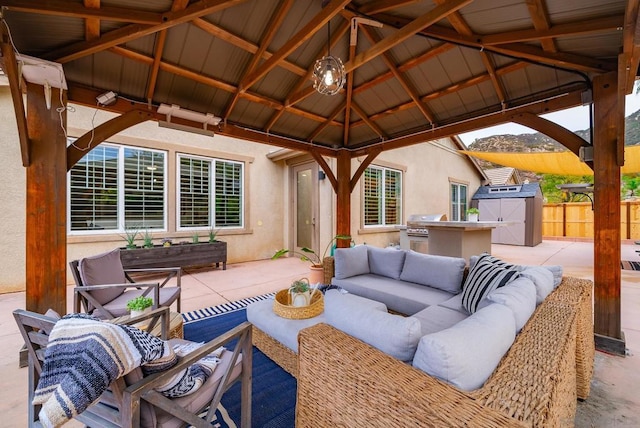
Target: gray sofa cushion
351 261
542 279
436 318
519 296
400 296
466 354
386 261
442 272
454 303
394 335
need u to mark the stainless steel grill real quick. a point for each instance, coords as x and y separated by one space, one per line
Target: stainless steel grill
415 223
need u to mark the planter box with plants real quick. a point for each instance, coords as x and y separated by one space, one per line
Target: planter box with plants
184 254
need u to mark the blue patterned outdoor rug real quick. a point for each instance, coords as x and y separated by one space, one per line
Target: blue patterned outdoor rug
274 390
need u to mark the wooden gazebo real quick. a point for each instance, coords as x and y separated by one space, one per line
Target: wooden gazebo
416 71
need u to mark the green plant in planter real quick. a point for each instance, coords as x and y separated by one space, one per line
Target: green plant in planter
307 254
130 235
212 234
195 238
473 211
299 286
147 239
140 303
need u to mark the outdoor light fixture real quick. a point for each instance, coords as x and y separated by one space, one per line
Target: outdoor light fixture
175 110
328 73
42 72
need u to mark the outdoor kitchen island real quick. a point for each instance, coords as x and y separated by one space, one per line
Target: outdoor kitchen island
459 238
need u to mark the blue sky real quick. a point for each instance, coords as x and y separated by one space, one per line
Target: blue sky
574 119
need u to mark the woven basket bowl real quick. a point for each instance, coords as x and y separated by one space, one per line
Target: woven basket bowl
282 308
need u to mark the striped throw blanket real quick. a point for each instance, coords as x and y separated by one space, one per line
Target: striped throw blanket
85 355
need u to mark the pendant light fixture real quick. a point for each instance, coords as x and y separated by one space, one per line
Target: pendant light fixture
328 73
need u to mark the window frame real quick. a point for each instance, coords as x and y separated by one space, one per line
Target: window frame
382 201
463 211
212 199
120 187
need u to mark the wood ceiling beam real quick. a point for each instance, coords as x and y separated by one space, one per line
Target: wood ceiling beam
328 12
327 122
136 31
371 156
473 81
408 30
365 118
551 129
243 44
77 10
571 29
91 139
630 58
87 96
414 62
568 100
406 85
270 30
349 98
159 48
92 25
541 21
461 26
299 91
10 68
384 5
327 170
516 50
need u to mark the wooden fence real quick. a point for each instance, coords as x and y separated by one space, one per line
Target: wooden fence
575 219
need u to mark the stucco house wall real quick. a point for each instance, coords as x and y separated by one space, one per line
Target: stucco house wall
427 169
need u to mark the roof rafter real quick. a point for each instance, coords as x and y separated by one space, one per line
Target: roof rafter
270 31
328 12
135 31
77 10
92 25
540 18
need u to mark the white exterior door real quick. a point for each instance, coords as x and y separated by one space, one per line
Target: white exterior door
305 206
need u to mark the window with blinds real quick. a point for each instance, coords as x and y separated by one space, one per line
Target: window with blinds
458 202
116 188
382 197
211 193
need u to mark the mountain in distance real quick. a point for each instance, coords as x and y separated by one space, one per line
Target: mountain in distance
541 143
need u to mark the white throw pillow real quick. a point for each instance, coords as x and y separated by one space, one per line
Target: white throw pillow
351 261
466 354
542 278
519 296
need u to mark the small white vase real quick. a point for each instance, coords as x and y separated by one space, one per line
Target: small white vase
473 217
135 313
300 299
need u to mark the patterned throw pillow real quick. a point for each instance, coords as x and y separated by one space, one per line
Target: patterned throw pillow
487 274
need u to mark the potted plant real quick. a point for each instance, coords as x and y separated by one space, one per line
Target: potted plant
308 255
130 235
472 214
147 239
212 234
299 292
139 305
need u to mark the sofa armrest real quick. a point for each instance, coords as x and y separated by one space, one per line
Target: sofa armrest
345 382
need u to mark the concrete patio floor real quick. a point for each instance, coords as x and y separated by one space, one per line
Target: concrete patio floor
614 401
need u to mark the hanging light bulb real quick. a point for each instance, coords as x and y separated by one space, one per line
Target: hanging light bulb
328 72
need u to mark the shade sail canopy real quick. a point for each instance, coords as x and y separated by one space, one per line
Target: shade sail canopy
562 163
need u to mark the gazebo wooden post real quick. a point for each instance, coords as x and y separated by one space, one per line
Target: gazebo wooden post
46 207
608 117
343 195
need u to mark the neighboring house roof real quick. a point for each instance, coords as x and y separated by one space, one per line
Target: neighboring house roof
527 190
506 175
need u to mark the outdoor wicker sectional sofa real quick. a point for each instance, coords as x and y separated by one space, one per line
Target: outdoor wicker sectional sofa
343 381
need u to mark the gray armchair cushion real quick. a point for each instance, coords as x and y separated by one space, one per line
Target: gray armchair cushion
386 261
442 272
103 269
351 261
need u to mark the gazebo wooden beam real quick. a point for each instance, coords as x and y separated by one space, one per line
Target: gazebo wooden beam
10 67
91 139
551 129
